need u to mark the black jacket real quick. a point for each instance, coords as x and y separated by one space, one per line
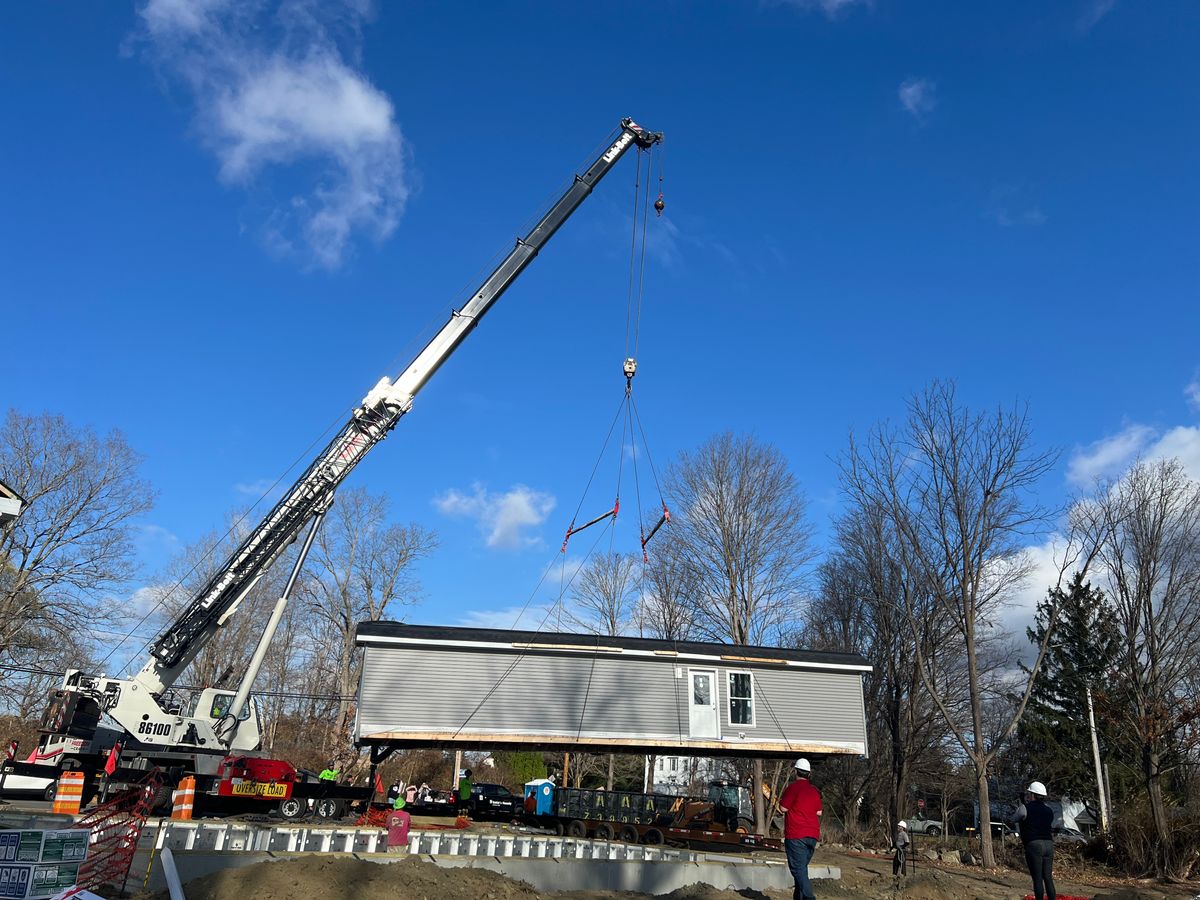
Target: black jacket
1036 824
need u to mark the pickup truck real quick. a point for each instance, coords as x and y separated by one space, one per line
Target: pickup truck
494 801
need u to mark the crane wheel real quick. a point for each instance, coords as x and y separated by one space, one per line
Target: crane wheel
629 834
655 837
577 829
744 825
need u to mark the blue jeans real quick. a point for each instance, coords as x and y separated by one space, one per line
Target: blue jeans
799 852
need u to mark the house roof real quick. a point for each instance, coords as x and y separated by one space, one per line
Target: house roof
11 503
384 633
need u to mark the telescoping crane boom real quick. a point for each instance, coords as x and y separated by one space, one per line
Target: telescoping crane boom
140 705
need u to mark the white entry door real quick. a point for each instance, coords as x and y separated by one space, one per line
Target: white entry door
702 706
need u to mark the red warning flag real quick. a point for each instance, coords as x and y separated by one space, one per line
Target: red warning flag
378 784
110 764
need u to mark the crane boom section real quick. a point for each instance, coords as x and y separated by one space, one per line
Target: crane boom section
379 412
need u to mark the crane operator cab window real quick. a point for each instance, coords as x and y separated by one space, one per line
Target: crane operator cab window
221 704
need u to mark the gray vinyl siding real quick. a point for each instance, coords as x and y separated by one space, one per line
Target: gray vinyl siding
429 689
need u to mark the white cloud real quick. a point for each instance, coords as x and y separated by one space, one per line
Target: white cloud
1010 205
1093 12
272 89
503 518
515 617
831 8
1192 392
1182 443
1108 456
255 489
918 97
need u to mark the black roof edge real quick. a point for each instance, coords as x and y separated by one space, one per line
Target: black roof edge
367 630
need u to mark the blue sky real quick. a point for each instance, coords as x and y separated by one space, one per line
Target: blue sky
224 222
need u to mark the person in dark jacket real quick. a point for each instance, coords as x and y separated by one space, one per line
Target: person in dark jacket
1035 820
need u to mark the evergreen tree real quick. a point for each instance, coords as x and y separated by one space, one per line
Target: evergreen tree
1054 737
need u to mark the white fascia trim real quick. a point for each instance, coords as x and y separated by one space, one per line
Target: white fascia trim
623 651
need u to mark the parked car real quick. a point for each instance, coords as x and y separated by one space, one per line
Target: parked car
1065 835
28 786
495 801
931 827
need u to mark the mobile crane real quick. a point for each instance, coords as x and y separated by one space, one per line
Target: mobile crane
216 736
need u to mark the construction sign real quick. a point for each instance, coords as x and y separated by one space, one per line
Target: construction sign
36 865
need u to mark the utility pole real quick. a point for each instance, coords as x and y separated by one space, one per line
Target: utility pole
1100 787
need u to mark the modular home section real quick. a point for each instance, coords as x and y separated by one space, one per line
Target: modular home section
488 688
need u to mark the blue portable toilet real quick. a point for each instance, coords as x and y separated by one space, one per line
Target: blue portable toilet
542 792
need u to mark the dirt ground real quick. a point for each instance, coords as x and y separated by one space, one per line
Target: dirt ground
345 878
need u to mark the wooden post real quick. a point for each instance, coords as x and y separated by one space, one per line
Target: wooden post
457 770
566 769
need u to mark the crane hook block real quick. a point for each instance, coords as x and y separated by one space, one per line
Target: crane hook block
630 367
659 204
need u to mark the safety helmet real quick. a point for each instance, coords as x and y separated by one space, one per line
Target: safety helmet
802 765
1037 789
902 824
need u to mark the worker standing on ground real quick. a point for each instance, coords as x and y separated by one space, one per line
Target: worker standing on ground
801 805
899 864
1035 819
331 773
464 792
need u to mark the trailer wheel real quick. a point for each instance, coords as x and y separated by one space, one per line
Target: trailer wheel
655 837
577 829
292 808
559 828
329 808
629 834
604 831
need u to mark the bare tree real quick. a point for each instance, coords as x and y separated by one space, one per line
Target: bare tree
73 542
742 525
361 568
605 594
1147 528
605 599
664 610
864 590
956 487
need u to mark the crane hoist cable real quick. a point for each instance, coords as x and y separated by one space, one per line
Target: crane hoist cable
631 421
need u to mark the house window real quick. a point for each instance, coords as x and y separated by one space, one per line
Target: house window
741 699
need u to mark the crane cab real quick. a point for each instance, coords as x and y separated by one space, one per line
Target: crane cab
212 705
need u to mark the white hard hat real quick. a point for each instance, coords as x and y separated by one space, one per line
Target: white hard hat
802 765
902 824
1037 789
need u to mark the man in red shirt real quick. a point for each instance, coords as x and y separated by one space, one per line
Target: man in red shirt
801 805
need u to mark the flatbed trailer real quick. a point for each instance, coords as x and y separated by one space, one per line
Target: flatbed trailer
635 817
